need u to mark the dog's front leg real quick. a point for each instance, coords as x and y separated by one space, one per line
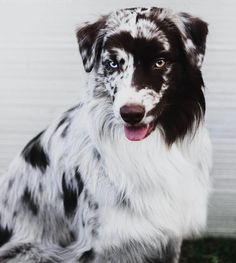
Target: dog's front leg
140 253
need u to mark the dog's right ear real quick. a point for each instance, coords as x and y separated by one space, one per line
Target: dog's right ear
90 39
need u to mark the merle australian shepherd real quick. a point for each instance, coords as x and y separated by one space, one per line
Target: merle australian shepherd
124 175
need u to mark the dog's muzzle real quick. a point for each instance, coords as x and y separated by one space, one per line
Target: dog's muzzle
132 115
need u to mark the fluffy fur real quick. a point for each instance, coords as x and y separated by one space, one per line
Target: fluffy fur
124 175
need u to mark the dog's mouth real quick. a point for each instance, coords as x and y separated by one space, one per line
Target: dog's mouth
139 132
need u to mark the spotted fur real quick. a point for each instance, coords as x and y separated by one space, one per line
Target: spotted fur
124 176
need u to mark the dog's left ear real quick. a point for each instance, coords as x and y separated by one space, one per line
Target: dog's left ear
90 39
194 39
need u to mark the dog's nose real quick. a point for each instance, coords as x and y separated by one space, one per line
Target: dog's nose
132 113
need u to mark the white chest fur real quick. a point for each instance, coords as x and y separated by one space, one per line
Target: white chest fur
166 189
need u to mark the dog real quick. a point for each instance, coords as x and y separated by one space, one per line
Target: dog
123 177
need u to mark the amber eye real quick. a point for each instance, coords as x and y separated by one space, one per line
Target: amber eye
160 63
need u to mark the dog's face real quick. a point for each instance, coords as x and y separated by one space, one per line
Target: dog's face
147 62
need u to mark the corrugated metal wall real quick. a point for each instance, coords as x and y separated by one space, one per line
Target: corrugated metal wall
41 75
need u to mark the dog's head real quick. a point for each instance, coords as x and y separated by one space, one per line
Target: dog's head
146 62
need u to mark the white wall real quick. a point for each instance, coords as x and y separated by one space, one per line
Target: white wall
41 75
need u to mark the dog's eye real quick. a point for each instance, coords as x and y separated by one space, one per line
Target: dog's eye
113 64
160 63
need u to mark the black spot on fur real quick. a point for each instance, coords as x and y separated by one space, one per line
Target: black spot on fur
80 183
78 106
70 239
40 188
15 214
25 249
5 235
123 201
122 61
93 205
87 256
35 155
85 194
65 131
13 252
61 122
28 200
85 60
70 197
65 121
72 236
83 221
97 155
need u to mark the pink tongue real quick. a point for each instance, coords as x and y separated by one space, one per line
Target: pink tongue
136 133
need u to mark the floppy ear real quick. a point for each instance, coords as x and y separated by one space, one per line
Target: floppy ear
194 39
90 38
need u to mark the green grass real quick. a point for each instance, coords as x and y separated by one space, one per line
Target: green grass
209 250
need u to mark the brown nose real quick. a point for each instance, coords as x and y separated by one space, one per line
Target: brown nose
132 113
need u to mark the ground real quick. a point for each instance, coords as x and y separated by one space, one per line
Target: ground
209 250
